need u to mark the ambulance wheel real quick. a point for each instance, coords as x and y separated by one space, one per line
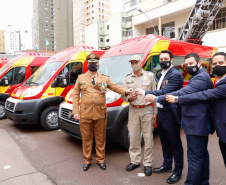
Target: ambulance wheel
2 110
125 138
49 118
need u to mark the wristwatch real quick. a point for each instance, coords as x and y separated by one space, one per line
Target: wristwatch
176 99
155 100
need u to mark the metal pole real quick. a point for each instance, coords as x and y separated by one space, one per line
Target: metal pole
148 19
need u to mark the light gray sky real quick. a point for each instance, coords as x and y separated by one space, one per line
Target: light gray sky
16 12
19 12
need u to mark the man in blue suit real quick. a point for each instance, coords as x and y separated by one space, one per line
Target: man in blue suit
196 120
169 118
217 96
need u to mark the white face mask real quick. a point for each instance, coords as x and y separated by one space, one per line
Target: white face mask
136 67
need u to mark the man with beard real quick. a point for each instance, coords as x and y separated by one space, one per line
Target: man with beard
217 96
196 121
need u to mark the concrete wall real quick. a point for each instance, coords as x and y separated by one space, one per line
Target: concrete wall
92 37
216 38
115 31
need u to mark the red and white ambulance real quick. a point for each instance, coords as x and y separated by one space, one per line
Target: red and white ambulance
114 63
37 100
15 72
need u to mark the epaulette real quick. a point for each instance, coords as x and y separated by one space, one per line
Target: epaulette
105 75
129 74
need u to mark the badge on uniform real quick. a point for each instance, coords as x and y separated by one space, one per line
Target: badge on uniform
130 82
82 82
103 87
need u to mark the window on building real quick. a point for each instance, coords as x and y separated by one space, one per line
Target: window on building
168 30
220 20
101 40
107 27
107 40
151 30
128 19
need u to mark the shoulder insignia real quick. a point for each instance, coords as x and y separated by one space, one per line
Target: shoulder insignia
129 74
105 75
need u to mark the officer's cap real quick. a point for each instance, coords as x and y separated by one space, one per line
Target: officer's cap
92 58
135 57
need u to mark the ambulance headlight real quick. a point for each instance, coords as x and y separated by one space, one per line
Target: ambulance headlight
33 91
112 97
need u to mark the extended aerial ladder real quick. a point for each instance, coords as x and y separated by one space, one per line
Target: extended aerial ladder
200 19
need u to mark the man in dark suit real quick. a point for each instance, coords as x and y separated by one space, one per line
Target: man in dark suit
196 120
217 96
169 119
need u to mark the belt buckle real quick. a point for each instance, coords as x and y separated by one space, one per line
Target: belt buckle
137 106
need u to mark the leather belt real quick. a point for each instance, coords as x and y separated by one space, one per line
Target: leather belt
141 106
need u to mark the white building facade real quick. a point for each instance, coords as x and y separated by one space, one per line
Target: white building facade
170 17
12 41
163 17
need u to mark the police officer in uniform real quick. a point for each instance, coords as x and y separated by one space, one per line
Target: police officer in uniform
141 116
93 110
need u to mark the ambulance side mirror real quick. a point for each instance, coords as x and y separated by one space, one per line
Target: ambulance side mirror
60 81
4 81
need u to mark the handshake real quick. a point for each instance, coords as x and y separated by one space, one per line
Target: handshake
134 95
152 98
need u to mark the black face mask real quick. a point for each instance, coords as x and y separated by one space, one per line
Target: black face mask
219 70
165 64
192 69
93 67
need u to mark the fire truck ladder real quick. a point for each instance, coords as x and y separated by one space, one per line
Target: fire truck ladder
200 19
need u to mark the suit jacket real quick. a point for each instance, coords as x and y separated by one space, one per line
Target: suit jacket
195 116
172 81
218 106
93 100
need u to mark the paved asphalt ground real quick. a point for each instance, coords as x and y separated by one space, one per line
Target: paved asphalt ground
29 155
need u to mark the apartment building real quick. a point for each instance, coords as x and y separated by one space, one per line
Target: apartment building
12 41
63 26
86 12
2 41
52 24
118 28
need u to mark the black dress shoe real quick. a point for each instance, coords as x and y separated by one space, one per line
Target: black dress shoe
173 179
102 166
162 170
131 166
86 167
148 170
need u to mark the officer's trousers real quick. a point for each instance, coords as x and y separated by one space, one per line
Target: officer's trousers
141 119
87 128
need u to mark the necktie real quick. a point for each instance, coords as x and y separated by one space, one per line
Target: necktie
93 81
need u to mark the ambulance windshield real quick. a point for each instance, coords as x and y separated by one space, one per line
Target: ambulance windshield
41 76
116 67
